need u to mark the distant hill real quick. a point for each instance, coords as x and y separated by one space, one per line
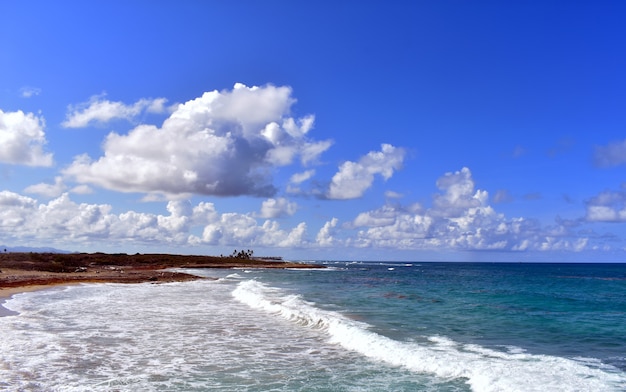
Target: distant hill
32 249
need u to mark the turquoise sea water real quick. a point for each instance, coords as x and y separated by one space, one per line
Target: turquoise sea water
355 326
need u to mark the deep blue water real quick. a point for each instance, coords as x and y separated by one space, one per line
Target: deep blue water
564 309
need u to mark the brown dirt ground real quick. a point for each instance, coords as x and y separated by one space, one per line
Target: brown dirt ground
23 271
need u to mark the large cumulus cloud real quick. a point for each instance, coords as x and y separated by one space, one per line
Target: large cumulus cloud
223 143
22 139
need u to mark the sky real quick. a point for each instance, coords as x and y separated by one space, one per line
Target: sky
345 130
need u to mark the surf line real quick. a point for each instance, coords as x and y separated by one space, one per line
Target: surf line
482 369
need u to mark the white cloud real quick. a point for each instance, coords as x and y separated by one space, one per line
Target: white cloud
236 229
299 129
296 238
553 243
48 190
102 110
394 227
81 190
27 92
459 219
384 216
57 189
62 220
607 206
13 211
613 154
277 208
59 219
299 178
295 180
393 195
354 178
222 143
312 151
325 237
458 193
605 214
22 139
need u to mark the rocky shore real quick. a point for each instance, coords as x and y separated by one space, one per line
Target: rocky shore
23 271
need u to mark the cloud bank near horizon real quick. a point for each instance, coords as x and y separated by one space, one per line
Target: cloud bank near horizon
460 218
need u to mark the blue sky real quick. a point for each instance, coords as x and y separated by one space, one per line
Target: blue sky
426 130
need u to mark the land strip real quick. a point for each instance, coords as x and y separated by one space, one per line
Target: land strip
21 271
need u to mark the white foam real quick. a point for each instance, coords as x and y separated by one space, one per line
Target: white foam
178 336
484 369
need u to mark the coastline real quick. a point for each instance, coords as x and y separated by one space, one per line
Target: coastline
16 281
23 272
8 292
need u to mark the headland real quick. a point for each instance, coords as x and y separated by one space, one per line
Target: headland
28 271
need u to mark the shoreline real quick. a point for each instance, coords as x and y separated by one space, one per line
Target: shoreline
25 272
8 293
14 282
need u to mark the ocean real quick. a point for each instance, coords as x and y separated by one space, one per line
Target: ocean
354 326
